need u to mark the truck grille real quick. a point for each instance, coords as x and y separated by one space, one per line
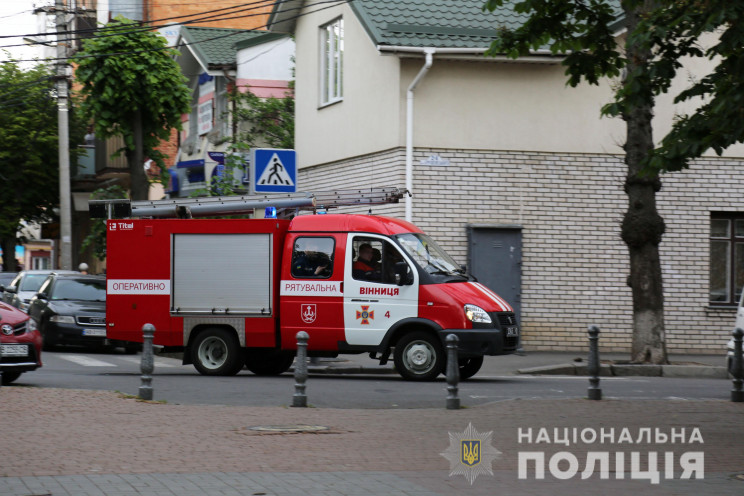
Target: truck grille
508 319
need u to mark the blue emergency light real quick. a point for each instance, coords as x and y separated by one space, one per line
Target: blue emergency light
270 213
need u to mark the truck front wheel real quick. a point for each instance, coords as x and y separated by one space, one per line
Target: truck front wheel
470 366
419 357
216 352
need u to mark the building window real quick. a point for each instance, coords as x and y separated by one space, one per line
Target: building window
331 61
726 258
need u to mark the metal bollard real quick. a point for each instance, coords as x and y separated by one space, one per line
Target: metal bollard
737 395
453 373
300 398
147 364
595 393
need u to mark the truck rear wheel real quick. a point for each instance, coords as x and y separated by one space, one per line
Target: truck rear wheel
470 366
216 352
419 357
268 362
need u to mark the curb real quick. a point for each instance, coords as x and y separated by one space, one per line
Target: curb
632 370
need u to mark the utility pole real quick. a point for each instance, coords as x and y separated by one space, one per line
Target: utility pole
65 211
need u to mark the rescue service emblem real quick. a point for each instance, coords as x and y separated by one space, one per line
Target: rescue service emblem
366 315
308 312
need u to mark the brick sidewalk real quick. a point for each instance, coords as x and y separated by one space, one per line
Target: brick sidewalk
54 439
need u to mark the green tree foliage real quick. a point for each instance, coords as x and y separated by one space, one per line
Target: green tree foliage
133 88
29 151
263 121
660 35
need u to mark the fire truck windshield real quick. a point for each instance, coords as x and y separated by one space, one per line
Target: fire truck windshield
429 255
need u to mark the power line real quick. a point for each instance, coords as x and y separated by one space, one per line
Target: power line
333 3
121 30
104 28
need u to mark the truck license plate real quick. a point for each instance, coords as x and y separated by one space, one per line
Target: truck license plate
94 332
512 331
15 350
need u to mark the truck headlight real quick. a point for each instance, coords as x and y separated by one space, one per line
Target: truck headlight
62 319
476 314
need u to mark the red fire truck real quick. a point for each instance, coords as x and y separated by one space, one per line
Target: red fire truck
234 293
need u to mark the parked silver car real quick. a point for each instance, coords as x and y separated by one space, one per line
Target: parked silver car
25 285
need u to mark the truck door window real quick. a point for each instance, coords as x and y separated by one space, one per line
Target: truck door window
312 257
374 260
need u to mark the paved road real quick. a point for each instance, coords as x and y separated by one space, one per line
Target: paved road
496 382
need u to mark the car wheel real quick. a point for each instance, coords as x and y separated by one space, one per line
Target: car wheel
268 362
469 366
419 356
9 377
217 352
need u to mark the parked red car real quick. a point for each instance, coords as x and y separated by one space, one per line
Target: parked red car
20 343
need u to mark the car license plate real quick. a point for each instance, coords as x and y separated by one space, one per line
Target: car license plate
512 331
15 350
94 332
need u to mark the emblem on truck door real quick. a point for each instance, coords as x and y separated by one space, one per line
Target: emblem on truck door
308 313
366 315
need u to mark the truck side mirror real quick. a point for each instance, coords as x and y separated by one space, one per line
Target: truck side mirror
403 274
11 289
40 296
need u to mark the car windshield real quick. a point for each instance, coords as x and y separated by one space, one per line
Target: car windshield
79 289
429 255
32 282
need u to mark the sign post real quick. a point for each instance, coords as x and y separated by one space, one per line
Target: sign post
274 171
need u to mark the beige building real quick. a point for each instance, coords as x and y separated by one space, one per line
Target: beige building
511 171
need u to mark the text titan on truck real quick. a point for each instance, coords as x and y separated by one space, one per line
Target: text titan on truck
231 293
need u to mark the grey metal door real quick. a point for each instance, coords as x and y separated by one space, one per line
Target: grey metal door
495 258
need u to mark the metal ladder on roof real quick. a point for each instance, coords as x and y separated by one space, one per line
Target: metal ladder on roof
185 208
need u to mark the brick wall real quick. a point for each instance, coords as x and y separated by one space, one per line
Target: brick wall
246 17
569 206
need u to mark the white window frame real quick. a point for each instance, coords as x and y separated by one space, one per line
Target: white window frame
331 61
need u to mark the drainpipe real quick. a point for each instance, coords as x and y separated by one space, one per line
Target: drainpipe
429 53
538 56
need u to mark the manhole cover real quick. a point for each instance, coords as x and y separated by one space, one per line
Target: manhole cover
288 428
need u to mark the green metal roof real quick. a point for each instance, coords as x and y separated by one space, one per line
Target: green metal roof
433 23
216 46
419 23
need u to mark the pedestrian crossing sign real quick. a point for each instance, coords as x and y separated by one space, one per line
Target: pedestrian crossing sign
274 171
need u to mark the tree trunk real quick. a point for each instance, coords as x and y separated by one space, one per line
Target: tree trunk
140 186
642 226
8 245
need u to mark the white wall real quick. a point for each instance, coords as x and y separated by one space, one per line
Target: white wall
270 61
480 105
367 119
